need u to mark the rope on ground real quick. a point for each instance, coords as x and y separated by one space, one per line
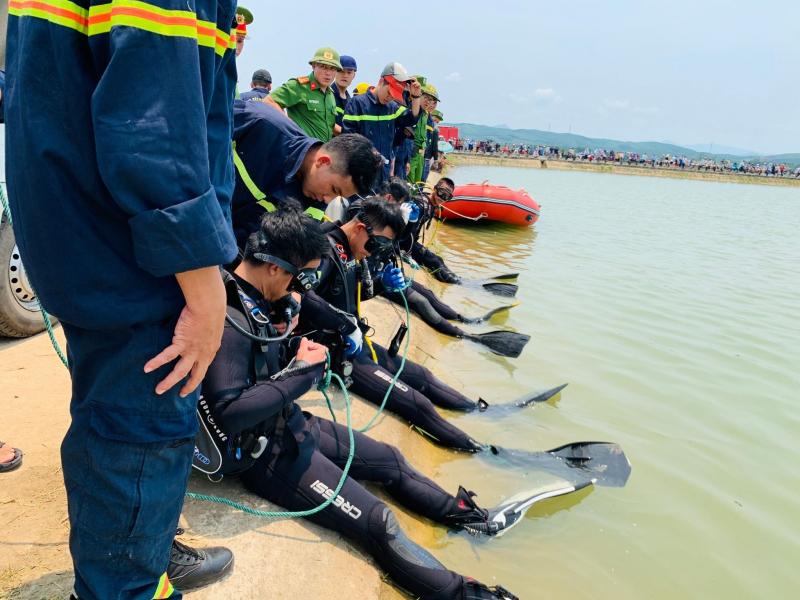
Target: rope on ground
45 317
371 423
281 514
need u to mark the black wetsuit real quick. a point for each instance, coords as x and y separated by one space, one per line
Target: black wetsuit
424 256
249 395
417 390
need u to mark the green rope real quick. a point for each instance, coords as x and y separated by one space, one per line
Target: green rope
45 317
378 412
266 514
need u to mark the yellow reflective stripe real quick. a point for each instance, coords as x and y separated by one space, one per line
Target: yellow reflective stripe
164 588
391 117
315 213
267 205
245 176
339 110
102 18
141 15
58 12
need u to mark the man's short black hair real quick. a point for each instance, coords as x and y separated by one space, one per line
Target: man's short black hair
357 157
398 189
448 181
289 234
377 213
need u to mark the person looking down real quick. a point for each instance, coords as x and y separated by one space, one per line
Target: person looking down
379 113
275 160
293 458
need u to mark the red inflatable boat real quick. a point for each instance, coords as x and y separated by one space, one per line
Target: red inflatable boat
480 201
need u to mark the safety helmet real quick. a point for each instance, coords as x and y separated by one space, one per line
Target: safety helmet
326 56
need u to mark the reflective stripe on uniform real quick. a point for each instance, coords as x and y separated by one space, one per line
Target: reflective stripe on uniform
339 110
391 117
245 176
100 19
164 588
267 205
315 213
58 12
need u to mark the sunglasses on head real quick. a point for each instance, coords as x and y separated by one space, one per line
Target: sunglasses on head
303 280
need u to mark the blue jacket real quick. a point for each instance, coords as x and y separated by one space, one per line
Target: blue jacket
121 172
254 94
378 123
269 151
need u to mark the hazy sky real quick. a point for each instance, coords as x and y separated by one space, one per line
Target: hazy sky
687 72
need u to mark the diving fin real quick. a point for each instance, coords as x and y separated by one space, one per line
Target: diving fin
498 520
522 401
507 290
603 463
507 276
488 315
510 512
504 343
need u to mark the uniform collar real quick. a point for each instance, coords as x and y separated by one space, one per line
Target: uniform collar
313 84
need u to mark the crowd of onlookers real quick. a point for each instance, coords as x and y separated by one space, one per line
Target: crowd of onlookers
635 159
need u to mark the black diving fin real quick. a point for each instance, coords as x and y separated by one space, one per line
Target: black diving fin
504 343
522 401
510 512
507 290
498 520
603 463
488 315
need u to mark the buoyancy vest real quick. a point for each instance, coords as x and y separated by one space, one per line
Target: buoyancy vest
216 452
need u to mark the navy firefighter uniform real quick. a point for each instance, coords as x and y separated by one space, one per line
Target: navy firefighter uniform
119 178
378 123
269 150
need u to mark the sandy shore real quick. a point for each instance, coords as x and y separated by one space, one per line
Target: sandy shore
286 559
458 160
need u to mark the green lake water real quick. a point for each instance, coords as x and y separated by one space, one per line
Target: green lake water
672 308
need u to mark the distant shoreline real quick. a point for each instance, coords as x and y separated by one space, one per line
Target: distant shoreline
459 159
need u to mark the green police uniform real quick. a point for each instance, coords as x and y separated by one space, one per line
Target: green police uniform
308 106
421 129
305 102
420 140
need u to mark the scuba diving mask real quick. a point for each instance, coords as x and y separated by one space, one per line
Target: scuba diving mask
303 280
379 247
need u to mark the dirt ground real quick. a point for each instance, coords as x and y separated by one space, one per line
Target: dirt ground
275 557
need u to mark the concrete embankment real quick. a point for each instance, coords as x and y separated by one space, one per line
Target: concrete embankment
288 559
458 160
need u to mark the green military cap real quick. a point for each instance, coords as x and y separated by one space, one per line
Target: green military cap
421 79
430 90
438 114
246 14
326 56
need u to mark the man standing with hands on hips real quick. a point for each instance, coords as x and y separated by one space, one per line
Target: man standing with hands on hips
121 209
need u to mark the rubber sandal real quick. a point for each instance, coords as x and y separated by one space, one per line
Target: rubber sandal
13 463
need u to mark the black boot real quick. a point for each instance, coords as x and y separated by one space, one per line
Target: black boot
194 568
445 275
470 517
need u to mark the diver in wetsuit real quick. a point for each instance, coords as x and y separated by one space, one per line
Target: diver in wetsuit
424 256
421 299
332 307
293 458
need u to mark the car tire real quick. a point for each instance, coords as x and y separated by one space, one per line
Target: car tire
20 315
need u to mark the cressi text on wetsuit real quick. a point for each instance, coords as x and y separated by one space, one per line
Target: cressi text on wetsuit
251 392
